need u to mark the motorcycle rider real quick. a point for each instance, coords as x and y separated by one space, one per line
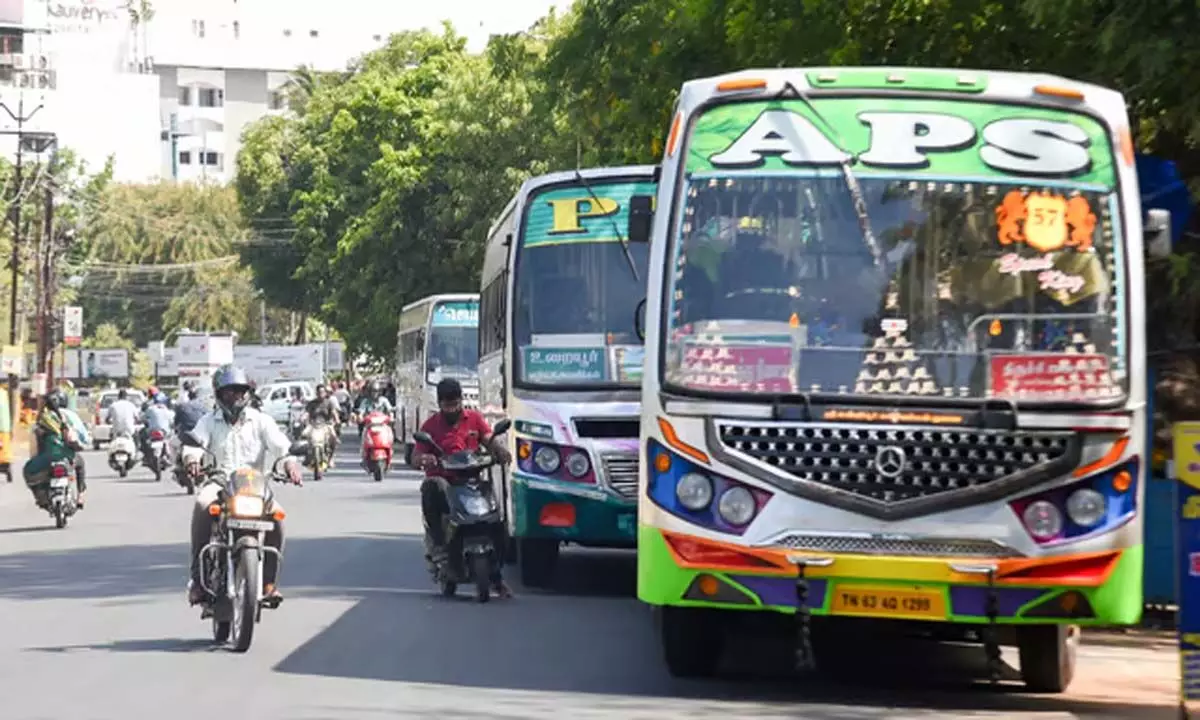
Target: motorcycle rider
57 439
187 414
373 400
324 407
238 436
156 417
454 429
122 415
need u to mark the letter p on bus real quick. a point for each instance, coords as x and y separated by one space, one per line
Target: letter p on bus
568 213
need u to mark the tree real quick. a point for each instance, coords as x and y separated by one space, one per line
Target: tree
155 256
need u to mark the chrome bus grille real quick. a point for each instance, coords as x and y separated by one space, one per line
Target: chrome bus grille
911 547
892 464
621 474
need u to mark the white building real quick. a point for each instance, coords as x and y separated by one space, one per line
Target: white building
171 97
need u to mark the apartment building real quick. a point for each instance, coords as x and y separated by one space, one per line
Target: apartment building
169 97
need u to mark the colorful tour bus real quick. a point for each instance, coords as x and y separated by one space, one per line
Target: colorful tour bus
438 338
560 355
895 363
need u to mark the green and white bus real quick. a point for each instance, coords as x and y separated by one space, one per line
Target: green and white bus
895 363
561 356
438 337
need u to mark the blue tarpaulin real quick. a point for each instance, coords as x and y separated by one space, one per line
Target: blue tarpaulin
1163 188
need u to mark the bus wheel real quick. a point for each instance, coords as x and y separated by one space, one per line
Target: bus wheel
1047 654
537 560
692 641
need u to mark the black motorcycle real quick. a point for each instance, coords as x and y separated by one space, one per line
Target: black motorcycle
231 563
474 526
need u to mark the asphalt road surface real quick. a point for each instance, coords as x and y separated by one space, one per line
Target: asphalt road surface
94 625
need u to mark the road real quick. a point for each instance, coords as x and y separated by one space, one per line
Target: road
94 626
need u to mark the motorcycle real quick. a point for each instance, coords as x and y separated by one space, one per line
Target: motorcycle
296 420
231 563
474 526
377 443
189 471
320 443
63 496
122 455
157 453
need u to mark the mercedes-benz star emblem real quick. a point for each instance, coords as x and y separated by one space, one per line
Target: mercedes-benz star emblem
890 461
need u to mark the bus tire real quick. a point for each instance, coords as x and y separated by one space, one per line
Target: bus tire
1047 655
692 641
537 560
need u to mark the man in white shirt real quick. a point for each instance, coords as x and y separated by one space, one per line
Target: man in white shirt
122 415
238 436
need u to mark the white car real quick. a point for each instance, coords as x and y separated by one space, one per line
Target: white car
277 397
101 430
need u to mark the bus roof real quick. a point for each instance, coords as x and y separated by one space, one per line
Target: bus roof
444 296
983 84
566 176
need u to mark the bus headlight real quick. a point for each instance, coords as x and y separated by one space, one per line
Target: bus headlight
1042 519
1086 507
547 459
694 491
577 464
737 506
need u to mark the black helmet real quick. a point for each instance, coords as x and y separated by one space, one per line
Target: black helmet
231 377
56 399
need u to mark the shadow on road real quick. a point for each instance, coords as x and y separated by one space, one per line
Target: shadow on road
167 645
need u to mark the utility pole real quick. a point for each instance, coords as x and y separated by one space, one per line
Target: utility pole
20 118
46 275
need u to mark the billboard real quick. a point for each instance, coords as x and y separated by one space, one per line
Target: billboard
91 364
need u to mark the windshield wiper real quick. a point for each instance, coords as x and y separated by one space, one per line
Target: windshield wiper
856 193
616 229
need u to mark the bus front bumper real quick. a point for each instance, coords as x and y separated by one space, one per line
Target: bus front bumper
1085 589
587 515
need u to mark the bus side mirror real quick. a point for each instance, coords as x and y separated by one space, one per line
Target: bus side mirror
639 320
641 218
1156 233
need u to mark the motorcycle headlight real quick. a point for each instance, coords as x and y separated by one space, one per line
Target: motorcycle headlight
247 506
477 505
577 464
694 491
547 459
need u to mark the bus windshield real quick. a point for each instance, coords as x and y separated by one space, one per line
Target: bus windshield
575 294
453 347
959 288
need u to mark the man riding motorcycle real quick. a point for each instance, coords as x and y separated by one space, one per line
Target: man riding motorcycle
122 415
156 417
57 439
454 429
238 436
323 407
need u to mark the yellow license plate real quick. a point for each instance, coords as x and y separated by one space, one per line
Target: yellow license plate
889 602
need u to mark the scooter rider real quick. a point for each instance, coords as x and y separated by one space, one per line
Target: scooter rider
454 429
324 408
238 436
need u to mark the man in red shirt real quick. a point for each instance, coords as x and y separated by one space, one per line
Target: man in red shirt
454 429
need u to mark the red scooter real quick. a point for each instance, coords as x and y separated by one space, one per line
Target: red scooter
377 443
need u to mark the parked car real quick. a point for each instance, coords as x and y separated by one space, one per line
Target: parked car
101 430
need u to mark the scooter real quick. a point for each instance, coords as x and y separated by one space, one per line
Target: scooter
122 455
319 445
377 444
158 458
474 527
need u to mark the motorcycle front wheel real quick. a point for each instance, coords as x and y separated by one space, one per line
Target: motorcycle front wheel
481 570
247 579
60 516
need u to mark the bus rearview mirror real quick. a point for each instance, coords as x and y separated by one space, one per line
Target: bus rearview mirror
1156 233
641 218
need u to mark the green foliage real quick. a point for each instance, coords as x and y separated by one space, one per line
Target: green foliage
379 188
154 258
